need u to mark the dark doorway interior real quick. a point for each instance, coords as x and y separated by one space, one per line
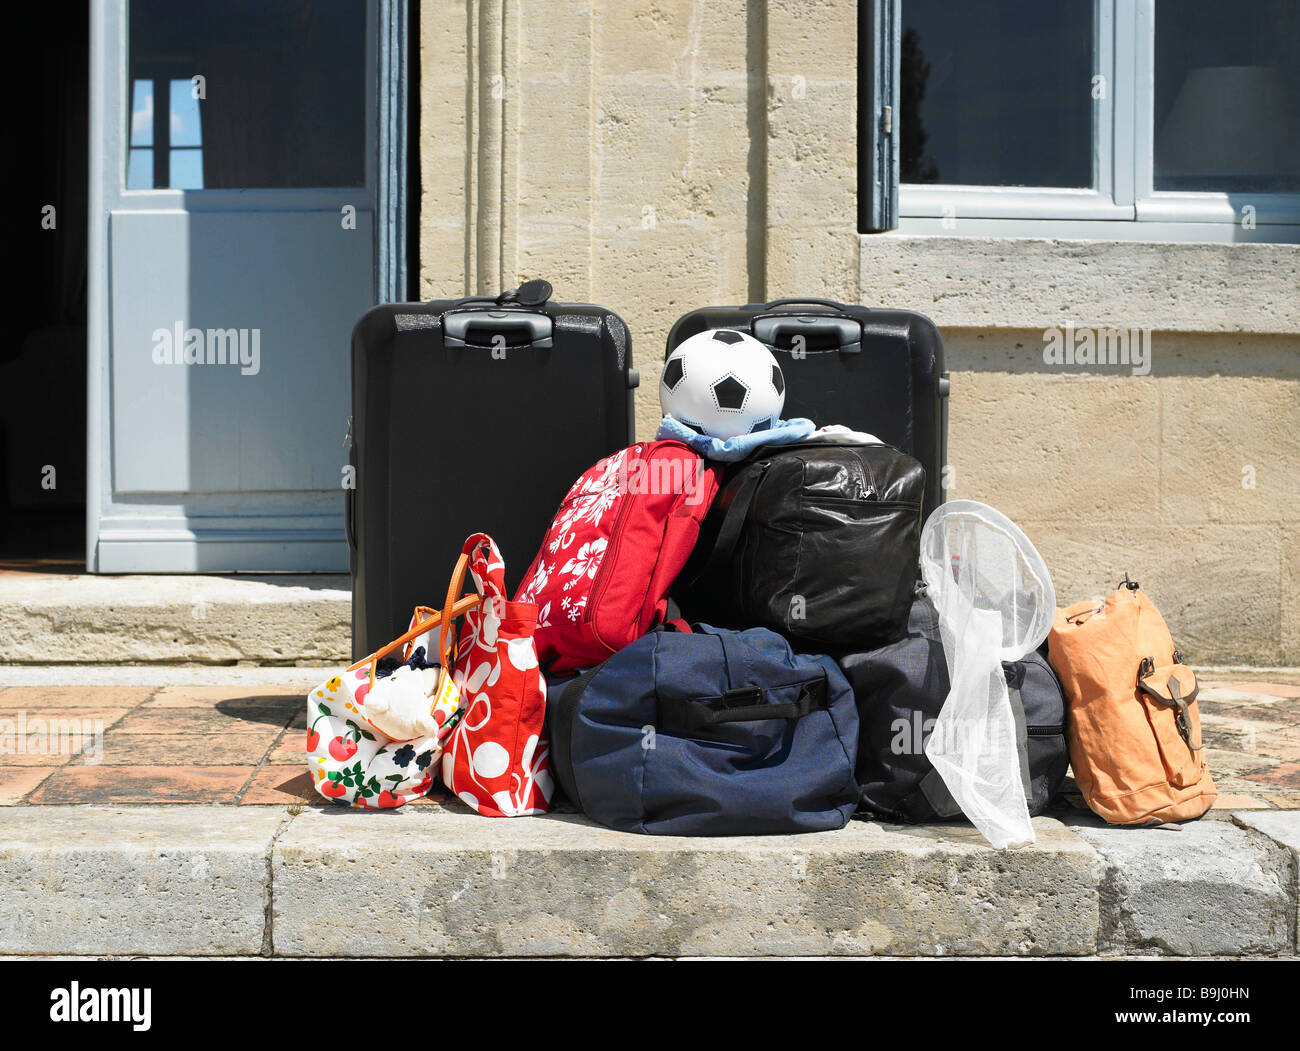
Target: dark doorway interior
43 228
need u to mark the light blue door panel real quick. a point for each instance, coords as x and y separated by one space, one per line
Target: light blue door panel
230 348
247 203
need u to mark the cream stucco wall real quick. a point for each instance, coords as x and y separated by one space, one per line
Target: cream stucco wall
659 156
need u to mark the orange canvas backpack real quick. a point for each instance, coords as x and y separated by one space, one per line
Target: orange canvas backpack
1132 724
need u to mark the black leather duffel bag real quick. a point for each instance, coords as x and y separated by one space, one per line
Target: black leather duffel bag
818 541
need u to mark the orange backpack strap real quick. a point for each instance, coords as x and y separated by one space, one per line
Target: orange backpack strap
1081 611
1174 686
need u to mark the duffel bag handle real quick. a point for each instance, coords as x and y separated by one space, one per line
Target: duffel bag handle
741 705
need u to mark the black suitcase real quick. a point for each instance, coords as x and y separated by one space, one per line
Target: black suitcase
467 415
879 371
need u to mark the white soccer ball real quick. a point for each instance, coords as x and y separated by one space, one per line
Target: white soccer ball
722 383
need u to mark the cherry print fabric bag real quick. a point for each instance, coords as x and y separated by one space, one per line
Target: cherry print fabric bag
496 759
351 760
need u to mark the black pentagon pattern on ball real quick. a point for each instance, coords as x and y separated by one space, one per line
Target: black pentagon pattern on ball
730 394
778 379
726 335
762 425
673 373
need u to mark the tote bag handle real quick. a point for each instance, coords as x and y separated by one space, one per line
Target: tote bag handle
452 608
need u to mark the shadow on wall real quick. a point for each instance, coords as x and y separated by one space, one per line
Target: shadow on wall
1121 353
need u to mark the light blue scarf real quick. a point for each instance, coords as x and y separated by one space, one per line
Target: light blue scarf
786 432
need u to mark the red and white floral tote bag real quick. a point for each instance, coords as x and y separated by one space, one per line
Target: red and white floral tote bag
496 758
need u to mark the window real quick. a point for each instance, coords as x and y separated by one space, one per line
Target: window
1226 88
1143 119
995 94
166 150
247 94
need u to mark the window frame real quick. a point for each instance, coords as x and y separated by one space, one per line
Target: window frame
1123 203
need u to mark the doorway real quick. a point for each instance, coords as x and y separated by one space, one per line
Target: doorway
44 181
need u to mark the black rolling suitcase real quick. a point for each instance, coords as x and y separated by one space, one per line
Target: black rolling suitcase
450 394
879 371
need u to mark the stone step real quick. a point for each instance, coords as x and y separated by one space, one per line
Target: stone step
265 619
440 881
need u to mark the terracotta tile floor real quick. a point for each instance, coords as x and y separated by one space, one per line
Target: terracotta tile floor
196 744
246 747
151 745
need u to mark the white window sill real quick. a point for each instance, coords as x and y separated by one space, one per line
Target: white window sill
1151 230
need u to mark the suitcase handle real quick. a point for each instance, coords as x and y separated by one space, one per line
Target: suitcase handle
458 326
846 331
801 301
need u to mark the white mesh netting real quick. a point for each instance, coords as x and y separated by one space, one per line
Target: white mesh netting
995 602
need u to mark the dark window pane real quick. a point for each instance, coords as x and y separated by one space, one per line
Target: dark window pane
1227 96
282 99
997 93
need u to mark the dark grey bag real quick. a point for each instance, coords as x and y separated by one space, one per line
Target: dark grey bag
899 690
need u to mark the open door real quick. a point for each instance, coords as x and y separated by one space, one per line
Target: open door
244 212
43 330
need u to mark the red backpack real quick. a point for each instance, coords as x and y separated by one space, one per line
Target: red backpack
619 539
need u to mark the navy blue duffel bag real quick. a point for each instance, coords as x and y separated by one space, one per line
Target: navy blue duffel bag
707 732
